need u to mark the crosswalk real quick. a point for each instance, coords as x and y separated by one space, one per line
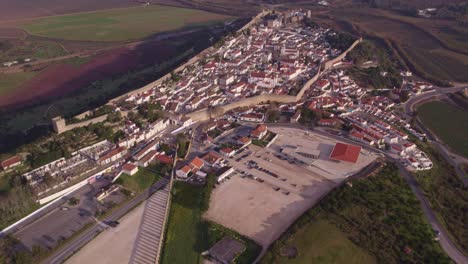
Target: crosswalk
151 229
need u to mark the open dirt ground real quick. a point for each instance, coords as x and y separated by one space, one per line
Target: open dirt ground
256 209
113 246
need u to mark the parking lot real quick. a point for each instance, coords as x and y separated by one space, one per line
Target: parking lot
269 190
64 221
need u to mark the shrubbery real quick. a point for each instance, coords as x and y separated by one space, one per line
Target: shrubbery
378 213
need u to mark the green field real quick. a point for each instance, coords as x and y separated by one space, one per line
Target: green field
120 24
448 122
10 81
182 231
378 215
142 180
322 242
188 235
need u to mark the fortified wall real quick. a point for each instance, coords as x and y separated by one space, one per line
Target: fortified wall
206 114
60 126
193 60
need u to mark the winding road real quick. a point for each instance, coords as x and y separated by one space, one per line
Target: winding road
410 107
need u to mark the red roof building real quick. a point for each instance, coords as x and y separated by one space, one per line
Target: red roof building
129 169
259 132
211 158
327 122
163 159
345 152
11 162
197 163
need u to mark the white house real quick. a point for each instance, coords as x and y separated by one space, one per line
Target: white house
183 172
129 169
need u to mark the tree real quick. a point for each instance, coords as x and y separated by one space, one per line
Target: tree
182 142
273 114
307 116
174 76
114 117
341 41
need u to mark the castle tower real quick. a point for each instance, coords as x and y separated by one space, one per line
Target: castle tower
58 124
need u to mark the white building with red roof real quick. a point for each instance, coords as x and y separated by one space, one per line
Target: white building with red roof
184 171
112 155
11 162
129 169
227 152
259 132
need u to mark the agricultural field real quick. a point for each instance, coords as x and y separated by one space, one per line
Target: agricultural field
377 219
448 122
15 10
120 24
10 81
436 50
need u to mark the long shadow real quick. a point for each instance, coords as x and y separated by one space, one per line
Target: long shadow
109 75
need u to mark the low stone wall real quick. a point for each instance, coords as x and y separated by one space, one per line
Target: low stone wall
207 114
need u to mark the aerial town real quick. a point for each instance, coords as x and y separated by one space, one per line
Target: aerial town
286 153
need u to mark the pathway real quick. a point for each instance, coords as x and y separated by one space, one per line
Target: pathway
147 244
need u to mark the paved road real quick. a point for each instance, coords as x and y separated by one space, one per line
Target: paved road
83 238
147 244
445 241
452 158
409 105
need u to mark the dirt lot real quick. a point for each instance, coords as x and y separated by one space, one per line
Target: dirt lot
122 237
263 210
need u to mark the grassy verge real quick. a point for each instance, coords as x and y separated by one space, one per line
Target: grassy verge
446 194
188 235
448 122
379 214
142 180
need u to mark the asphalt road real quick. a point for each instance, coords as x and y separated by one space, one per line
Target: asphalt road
408 105
449 156
83 238
444 238
445 241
